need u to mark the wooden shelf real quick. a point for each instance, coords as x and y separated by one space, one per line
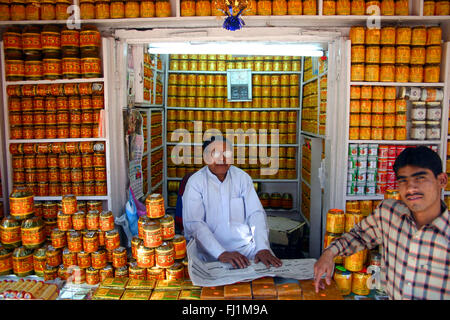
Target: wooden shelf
364 197
58 198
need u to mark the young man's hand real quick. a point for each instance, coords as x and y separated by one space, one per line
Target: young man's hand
325 264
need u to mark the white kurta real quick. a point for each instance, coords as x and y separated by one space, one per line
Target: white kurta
224 216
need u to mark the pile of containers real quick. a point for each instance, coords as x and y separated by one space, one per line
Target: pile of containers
18 10
361 7
254 7
396 54
57 111
55 169
375 114
51 53
120 9
370 168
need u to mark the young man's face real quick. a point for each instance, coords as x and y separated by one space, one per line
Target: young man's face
419 188
219 157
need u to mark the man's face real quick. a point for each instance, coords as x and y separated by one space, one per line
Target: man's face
218 156
419 188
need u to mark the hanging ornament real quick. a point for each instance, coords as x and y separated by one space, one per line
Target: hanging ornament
233 10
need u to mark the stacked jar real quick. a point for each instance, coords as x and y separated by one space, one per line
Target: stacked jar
209 90
426 112
191 8
386 179
60 168
323 104
362 169
366 207
310 108
160 254
253 123
396 54
361 7
57 111
436 7
51 53
124 9
19 10
150 90
376 114
156 170
351 274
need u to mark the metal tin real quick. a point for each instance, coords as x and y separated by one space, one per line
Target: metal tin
106 221
92 220
112 240
165 255
99 259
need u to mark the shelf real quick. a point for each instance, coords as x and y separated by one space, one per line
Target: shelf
309 81
157 185
364 197
250 21
400 142
58 198
254 180
57 140
312 134
399 84
234 145
197 72
307 183
156 148
234 109
143 105
82 80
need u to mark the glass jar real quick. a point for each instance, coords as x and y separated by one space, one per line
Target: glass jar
32 10
117 9
132 9
187 8
418 111
264 8
343 7
163 8
279 7
358 7
401 7
17 10
428 8
433 130
202 8
147 8
418 130
295 7
434 111
387 7
329 7
102 9
87 9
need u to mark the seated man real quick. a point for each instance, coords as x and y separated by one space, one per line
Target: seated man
413 232
222 211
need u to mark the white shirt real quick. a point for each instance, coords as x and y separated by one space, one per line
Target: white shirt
224 216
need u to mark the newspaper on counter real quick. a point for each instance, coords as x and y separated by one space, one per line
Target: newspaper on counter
207 274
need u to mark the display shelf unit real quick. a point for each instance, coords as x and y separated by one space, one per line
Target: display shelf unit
441 143
147 70
106 61
151 186
267 185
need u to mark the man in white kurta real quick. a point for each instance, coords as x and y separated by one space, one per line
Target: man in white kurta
222 211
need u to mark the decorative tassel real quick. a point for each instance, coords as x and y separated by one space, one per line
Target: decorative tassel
233 22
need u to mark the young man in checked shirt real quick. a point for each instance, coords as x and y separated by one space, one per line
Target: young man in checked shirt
413 233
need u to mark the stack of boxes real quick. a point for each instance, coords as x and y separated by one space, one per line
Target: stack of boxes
362 169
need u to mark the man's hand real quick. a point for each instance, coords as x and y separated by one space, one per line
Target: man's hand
236 259
266 257
325 264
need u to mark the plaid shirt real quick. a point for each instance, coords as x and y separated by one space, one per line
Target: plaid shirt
415 263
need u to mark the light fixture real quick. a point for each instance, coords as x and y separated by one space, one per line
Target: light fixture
238 48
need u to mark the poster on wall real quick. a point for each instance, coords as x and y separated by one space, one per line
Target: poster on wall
135 143
239 83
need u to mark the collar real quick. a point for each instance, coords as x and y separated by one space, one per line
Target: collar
214 177
442 222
